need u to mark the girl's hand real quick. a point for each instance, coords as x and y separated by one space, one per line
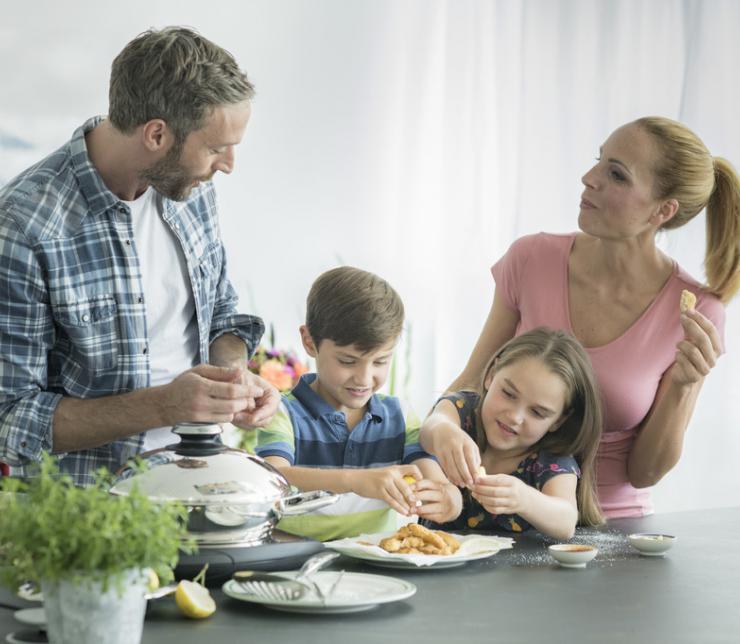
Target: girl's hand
697 353
457 453
387 484
501 494
441 501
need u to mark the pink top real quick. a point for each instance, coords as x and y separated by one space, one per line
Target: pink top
532 277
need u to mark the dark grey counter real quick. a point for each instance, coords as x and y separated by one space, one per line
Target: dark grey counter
691 595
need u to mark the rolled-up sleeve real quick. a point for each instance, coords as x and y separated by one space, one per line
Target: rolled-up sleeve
225 318
26 336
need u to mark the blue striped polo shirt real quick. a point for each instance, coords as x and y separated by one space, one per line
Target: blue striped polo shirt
307 431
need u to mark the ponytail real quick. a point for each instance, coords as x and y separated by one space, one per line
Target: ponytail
722 259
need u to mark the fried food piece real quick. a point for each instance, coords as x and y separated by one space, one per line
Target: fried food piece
391 544
415 539
688 301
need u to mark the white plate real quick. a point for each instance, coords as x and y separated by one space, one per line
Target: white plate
355 592
31 616
472 547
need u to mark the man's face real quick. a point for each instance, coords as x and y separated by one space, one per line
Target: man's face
203 153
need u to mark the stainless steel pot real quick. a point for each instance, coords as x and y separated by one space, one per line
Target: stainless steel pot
232 497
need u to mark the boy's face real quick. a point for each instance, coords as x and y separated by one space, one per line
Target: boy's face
347 377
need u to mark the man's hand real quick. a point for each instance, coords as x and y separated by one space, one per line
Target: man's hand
387 484
441 500
208 394
261 409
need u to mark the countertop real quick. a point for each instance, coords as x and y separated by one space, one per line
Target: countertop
690 595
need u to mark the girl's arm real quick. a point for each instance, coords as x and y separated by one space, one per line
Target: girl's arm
552 511
659 442
440 433
442 436
384 483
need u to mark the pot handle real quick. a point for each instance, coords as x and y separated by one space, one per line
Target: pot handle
303 503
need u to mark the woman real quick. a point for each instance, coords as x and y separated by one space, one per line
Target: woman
619 295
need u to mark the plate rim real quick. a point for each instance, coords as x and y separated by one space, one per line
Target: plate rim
409 590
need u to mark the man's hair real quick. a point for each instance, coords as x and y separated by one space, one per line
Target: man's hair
174 74
350 306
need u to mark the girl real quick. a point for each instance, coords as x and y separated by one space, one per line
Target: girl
537 421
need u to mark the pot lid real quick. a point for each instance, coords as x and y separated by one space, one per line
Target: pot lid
201 470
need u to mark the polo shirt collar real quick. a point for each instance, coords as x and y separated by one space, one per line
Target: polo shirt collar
318 407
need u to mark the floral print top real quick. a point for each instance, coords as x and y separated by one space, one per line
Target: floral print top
536 469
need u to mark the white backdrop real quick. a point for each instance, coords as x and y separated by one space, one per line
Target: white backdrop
416 139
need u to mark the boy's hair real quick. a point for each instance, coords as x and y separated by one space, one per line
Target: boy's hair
350 306
174 74
580 432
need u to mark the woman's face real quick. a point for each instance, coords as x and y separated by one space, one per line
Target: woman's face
618 200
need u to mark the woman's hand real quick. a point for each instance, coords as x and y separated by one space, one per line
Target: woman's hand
501 494
441 501
387 484
697 353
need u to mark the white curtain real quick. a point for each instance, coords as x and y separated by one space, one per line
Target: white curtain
416 139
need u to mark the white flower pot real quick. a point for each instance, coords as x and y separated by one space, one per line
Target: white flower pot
84 614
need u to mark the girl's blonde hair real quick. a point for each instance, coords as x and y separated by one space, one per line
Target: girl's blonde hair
687 172
579 433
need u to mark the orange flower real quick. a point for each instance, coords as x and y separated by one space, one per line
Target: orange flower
276 374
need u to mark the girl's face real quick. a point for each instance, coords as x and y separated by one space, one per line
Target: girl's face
618 199
523 402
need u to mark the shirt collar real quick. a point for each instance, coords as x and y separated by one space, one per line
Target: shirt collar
318 407
98 197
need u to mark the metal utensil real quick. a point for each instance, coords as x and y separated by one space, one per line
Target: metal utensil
285 589
162 591
311 566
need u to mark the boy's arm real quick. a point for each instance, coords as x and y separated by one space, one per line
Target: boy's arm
441 500
384 483
552 511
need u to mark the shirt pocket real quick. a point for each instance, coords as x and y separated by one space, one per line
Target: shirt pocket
89 329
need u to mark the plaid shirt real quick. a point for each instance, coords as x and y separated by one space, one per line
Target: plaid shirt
72 312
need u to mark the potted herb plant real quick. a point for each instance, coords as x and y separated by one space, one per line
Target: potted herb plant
88 550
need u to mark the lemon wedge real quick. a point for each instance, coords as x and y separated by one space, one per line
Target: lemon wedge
152 580
409 479
194 600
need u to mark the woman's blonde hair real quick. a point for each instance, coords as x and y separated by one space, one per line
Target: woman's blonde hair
687 172
580 431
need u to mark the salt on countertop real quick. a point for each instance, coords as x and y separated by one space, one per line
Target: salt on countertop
612 544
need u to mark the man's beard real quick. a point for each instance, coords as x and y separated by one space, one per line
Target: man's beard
168 177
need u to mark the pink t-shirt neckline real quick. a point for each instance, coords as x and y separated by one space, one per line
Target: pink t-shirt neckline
634 327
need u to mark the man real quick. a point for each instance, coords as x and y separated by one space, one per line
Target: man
117 319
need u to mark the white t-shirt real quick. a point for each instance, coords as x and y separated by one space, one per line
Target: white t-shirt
170 308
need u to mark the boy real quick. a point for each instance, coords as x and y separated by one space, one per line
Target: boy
333 432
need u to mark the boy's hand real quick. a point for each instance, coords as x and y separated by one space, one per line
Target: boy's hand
501 493
441 500
387 484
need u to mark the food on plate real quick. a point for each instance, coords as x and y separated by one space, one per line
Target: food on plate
688 301
414 539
